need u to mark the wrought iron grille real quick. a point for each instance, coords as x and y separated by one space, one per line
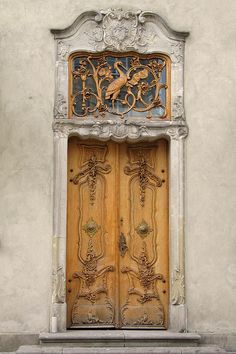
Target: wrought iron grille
119 84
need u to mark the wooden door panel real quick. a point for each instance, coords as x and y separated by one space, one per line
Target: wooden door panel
143 207
91 265
117 234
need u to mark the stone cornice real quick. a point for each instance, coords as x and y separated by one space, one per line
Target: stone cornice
120 131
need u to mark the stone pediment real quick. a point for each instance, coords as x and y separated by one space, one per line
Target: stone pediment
121 31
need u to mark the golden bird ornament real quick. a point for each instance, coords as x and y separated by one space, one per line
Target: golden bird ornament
113 89
143 74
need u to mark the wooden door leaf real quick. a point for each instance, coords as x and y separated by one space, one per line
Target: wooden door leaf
117 222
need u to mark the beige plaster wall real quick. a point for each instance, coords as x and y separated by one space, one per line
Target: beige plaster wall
26 176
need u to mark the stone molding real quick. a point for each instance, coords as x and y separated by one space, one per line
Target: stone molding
121 30
119 131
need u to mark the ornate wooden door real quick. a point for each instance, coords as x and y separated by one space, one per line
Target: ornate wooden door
117 234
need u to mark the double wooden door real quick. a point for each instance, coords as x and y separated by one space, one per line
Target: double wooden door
117 234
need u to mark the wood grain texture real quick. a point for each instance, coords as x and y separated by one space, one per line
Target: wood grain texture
117 234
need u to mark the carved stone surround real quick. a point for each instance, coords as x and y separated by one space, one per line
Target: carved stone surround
120 30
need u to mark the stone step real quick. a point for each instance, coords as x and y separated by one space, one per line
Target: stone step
127 338
42 349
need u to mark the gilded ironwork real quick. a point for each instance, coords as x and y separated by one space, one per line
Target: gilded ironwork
144 173
115 84
89 172
143 229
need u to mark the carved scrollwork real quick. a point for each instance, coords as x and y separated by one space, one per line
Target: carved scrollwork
89 171
145 175
93 284
143 320
63 50
177 133
121 30
178 109
148 291
177 52
60 109
177 288
119 131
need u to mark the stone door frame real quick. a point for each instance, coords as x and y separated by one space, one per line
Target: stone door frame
91 32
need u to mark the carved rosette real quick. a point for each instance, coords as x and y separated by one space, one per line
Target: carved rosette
91 227
143 229
121 30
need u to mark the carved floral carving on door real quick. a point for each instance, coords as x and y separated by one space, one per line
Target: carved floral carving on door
117 271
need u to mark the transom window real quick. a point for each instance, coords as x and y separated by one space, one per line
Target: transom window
119 84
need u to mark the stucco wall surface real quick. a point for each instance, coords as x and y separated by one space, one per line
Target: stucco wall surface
27 63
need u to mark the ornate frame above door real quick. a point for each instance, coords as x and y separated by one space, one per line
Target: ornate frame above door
120 31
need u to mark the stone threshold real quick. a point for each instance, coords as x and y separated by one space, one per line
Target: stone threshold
122 338
121 350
